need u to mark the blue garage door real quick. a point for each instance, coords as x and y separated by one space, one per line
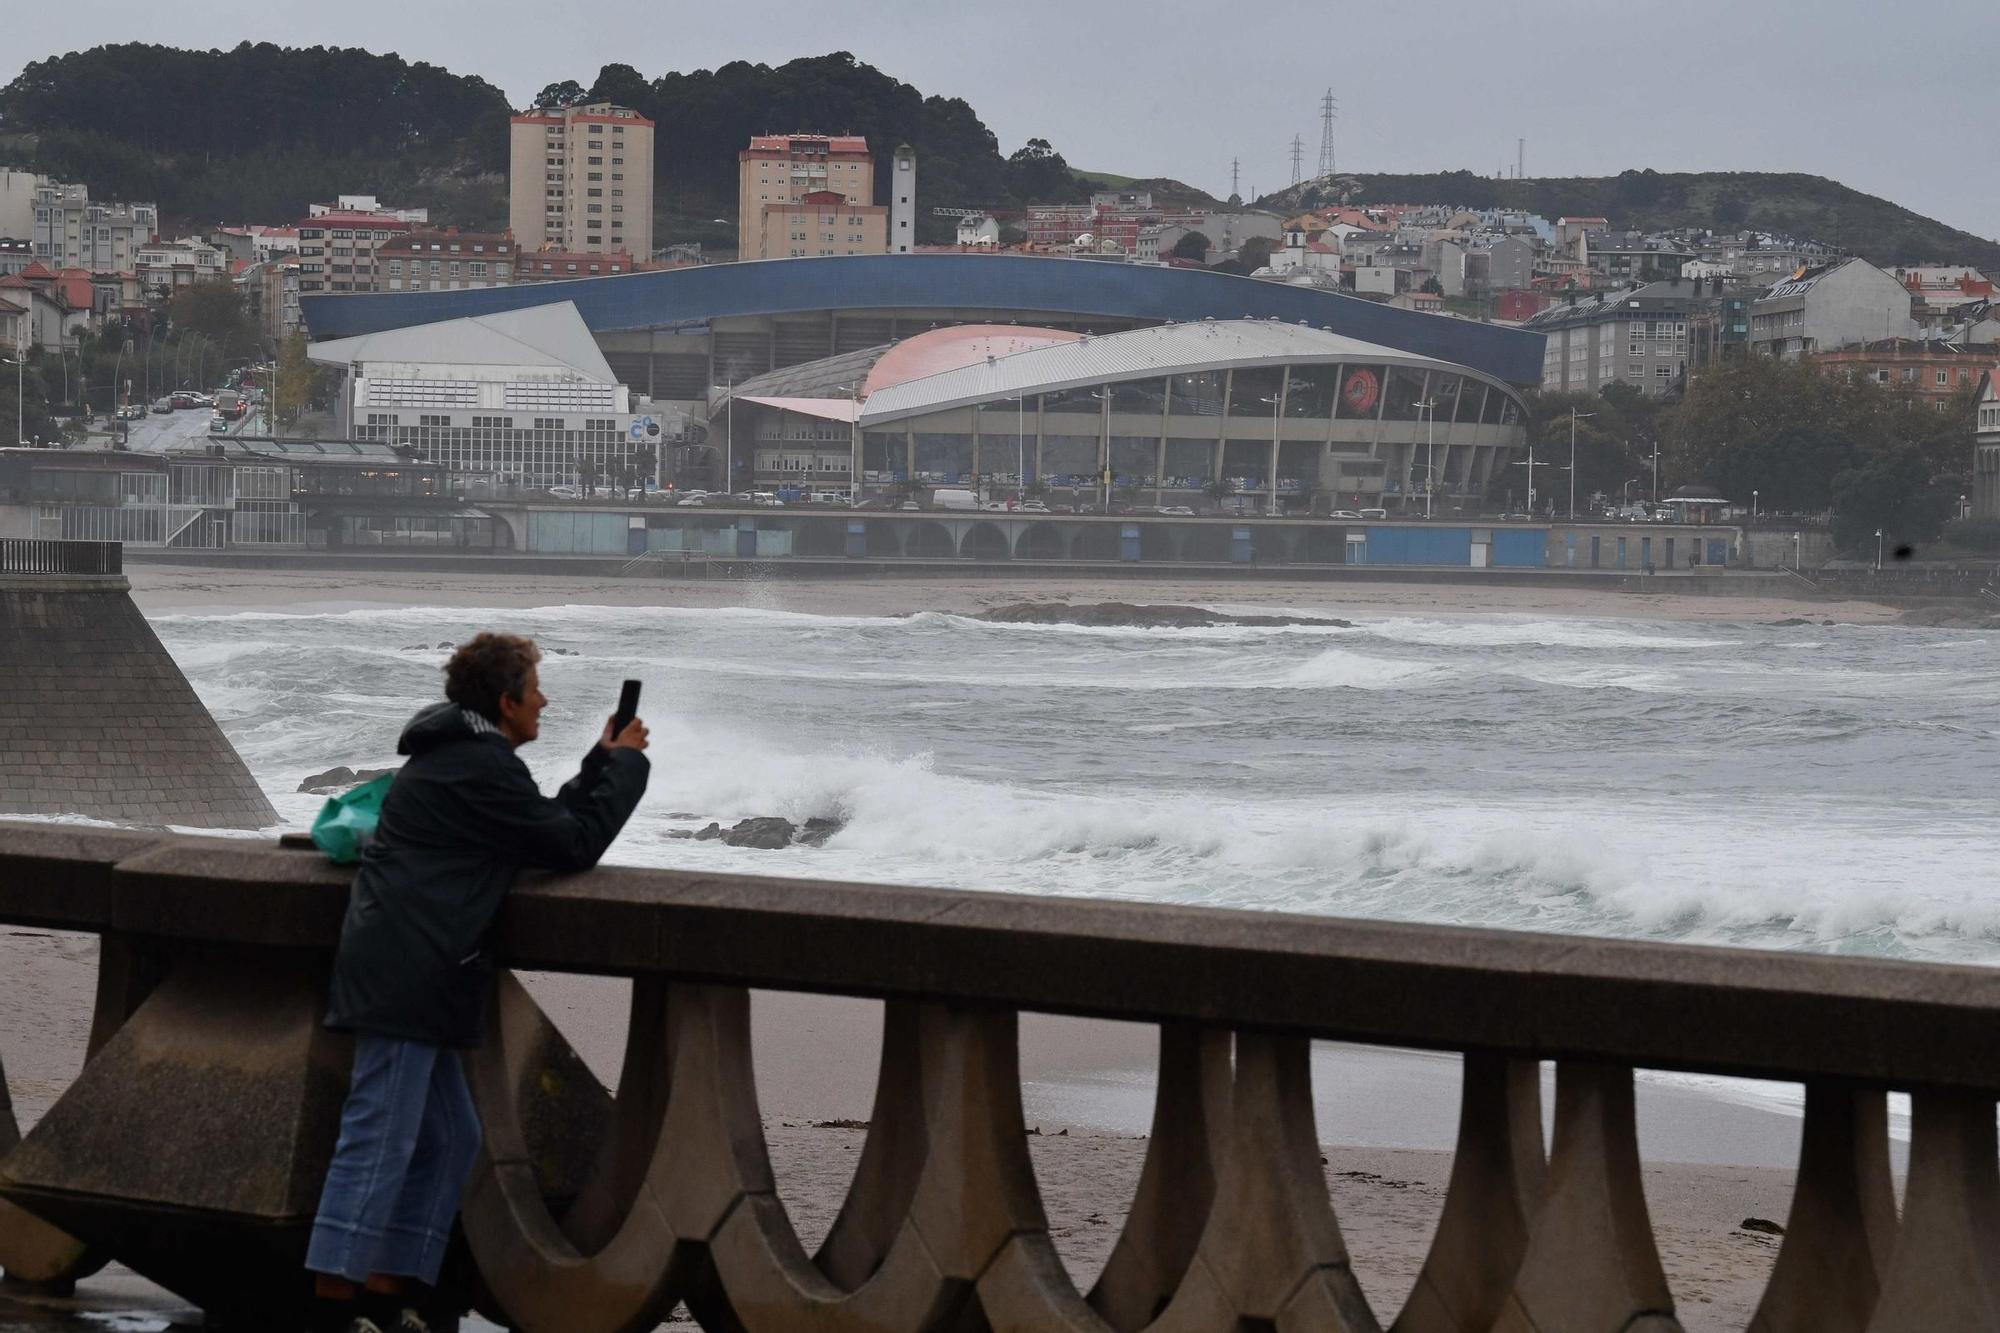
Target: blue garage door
1519 548
1420 546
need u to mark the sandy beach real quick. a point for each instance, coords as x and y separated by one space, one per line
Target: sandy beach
195 590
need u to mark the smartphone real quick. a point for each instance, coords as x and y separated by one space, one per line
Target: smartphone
628 708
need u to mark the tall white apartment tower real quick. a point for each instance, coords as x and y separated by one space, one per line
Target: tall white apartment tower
903 202
580 179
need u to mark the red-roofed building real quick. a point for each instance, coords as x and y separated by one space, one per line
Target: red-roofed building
562 265
778 172
447 260
337 250
581 178
44 316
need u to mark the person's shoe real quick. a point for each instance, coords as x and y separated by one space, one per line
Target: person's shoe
409 1321
363 1324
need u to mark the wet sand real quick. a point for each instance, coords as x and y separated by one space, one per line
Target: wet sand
195 590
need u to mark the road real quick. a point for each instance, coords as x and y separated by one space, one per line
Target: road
158 432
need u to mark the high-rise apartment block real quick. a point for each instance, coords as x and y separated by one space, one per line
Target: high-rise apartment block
73 232
580 178
808 194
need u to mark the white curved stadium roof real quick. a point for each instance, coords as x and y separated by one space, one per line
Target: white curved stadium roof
1170 349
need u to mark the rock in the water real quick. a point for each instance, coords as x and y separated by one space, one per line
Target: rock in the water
766 832
446 643
340 778
817 831
709 834
1130 615
1763 1224
1790 622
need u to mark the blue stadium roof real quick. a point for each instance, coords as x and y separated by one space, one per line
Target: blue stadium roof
1045 286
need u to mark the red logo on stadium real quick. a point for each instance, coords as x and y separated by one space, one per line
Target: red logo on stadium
1361 391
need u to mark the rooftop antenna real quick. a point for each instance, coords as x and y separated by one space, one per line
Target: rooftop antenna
1298 157
1520 157
1235 167
1329 109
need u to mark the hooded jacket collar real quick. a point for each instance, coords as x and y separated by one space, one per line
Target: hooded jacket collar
442 723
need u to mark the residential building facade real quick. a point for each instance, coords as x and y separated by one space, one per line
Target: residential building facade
1835 305
17 203
73 232
164 267
777 172
368 203
824 222
337 250
581 178
446 261
1935 371
563 265
1986 450
1638 337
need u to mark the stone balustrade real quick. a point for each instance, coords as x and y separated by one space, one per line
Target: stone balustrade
191 1145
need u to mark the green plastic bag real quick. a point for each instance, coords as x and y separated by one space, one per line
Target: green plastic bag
347 821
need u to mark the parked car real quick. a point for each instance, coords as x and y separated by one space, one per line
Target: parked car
1343 513
909 504
695 501
1374 513
1034 507
131 412
1175 509
995 507
566 492
946 497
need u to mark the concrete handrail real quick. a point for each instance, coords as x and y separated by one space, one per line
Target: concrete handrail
593 1214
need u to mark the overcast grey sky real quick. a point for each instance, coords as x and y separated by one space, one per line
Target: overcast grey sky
1897 100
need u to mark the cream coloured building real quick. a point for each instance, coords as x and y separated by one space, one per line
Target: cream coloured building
808 194
580 178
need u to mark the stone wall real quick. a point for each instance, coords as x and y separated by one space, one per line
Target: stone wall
96 719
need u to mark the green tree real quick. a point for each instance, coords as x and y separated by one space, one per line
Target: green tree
300 383
36 422
556 95
1891 491
1432 285
213 310
1194 245
1254 253
1036 173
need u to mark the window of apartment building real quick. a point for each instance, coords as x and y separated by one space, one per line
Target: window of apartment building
1943 378
616 193
452 268
594 194
1909 374
596 161
437 267
477 269
395 268
1663 372
618 175
1636 371
595 143
596 208
617 161
617 208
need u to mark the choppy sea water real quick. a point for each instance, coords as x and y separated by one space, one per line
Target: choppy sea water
1805 787
1800 787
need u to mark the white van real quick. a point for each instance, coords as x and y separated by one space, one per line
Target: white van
946 498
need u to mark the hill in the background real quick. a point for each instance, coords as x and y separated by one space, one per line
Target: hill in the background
1797 205
258 132
1166 191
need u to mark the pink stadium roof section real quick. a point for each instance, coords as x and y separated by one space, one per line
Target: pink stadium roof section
829 409
948 349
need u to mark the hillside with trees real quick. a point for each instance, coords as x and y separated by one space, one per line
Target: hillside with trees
1788 202
257 132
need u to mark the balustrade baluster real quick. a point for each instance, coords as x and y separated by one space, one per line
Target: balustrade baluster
1498 1176
1841 1228
1945 1272
1592 1265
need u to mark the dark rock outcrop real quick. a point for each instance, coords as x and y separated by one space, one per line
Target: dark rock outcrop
765 832
1130 615
339 778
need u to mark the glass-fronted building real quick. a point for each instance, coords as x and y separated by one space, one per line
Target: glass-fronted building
1288 417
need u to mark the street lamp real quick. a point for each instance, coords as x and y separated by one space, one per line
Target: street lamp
1625 491
1753 506
1878 550
1572 459
1429 408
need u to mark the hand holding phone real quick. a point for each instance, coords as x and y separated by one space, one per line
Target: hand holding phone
625 729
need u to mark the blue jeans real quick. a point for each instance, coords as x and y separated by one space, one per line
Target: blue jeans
408 1137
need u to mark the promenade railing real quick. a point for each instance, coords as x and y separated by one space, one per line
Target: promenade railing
191 1146
26 555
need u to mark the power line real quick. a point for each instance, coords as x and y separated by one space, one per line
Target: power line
1329 110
